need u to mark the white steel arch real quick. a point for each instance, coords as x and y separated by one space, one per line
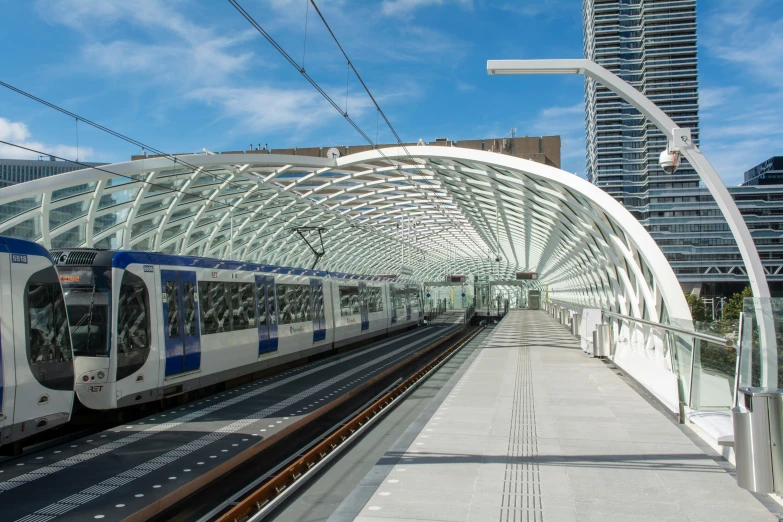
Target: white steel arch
435 210
739 229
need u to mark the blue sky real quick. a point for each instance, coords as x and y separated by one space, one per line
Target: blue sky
182 75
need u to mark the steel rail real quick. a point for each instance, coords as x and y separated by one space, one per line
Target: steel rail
264 500
182 493
236 497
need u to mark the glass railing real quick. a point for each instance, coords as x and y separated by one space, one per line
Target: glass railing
705 368
761 356
703 355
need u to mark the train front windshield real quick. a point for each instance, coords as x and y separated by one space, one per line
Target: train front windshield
88 297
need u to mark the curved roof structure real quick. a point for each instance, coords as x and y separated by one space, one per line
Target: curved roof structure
435 210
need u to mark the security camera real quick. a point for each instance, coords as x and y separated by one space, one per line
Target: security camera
670 161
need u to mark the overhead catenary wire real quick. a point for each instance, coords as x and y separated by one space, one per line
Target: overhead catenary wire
168 188
377 107
144 146
137 180
177 160
344 113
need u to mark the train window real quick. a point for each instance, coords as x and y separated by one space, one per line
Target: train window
413 297
243 306
172 299
189 304
374 299
349 300
215 311
399 297
318 300
48 341
305 306
294 301
133 325
87 295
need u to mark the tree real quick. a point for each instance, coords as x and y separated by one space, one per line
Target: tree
698 310
733 307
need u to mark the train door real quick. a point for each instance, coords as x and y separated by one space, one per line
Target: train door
393 301
6 354
408 294
267 314
319 315
181 320
363 305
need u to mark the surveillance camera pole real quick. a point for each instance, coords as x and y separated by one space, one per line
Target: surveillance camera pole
708 175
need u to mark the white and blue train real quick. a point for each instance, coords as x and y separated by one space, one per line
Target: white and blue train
36 366
147 326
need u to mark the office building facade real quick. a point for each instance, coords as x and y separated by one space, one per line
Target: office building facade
769 172
13 171
542 149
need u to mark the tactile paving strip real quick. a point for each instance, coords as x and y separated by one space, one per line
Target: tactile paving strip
522 484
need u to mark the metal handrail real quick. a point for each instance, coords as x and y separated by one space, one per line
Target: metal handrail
699 335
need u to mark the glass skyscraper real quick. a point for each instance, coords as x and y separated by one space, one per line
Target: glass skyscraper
651 44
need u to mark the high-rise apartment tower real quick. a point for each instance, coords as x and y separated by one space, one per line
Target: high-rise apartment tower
651 44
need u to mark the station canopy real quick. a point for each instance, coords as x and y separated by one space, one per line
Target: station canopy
424 211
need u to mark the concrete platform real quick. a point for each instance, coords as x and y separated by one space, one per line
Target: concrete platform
534 430
135 470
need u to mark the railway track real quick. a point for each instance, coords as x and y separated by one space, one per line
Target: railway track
255 488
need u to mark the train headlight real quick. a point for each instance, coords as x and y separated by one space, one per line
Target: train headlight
85 378
101 375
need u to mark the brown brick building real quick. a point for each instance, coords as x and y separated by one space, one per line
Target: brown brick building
543 149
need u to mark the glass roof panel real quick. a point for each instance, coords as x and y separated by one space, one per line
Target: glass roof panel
29 229
66 213
74 190
118 198
71 238
19 206
107 221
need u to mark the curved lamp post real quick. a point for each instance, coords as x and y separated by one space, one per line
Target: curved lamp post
679 139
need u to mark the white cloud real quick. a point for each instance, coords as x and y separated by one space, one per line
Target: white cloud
19 134
177 50
744 34
569 123
712 97
740 122
406 7
269 108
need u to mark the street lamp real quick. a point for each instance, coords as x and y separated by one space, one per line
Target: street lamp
679 143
